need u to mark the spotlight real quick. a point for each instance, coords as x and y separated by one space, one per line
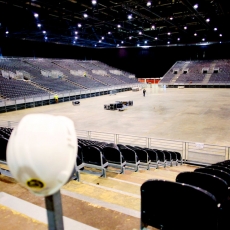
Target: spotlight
130 38
76 37
39 25
117 45
195 6
215 29
130 16
35 15
207 20
94 2
146 42
122 42
140 33
178 39
168 42
44 32
138 44
153 27
7 32
109 32
85 15
171 18
185 27
99 41
195 34
149 4
119 26
74 42
102 38
221 35
46 38
203 39
79 25
169 33
156 38
76 32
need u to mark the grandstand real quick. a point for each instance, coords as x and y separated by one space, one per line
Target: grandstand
213 73
163 163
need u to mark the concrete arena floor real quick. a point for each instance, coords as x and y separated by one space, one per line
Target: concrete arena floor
197 115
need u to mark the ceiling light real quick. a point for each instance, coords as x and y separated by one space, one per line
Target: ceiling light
130 37
109 32
76 37
76 32
74 42
118 26
195 34
35 15
169 33
100 41
44 32
138 44
207 20
215 29
46 38
122 42
221 35
85 15
140 33
171 18
146 42
94 2
185 27
195 6
117 45
149 3
39 25
7 32
156 38
102 38
168 42
95 45
153 27
79 25
178 39
203 39
130 16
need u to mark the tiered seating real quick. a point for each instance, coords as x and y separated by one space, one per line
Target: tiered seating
11 88
106 79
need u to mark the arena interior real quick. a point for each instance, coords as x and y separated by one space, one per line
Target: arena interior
154 160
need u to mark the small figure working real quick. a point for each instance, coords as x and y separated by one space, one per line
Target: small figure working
144 91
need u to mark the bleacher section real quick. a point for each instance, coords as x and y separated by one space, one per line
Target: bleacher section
213 73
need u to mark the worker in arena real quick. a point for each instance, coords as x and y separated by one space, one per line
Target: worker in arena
56 98
84 74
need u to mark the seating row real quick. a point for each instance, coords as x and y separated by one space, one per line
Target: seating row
197 200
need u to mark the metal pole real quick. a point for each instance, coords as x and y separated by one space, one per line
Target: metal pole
54 211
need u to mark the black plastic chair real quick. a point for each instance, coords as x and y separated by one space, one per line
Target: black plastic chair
3 145
130 157
161 157
171 205
215 185
114 156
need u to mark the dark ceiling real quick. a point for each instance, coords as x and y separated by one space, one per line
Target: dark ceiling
107 24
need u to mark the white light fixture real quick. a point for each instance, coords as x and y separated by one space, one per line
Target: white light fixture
117 45
74 42
99 41
146 42
138 45
44 32
195 6
102 38
76 37
178 39
169 33
221 35
39 25
156 38
95 45
94 2
85 15
130 37
203 39
168 42
76 32
130 16
140 33
207 20
119 26
195 34
153 27
109 32
185 27
7 32
79 25
46 37
122 42
149 3
215 29
35 15
171 18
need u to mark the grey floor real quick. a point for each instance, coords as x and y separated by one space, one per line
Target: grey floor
197 115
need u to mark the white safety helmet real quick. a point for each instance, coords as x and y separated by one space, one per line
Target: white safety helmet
42 151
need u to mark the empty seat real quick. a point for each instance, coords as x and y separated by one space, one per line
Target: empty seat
171 205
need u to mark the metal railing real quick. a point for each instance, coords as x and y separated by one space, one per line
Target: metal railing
190 151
